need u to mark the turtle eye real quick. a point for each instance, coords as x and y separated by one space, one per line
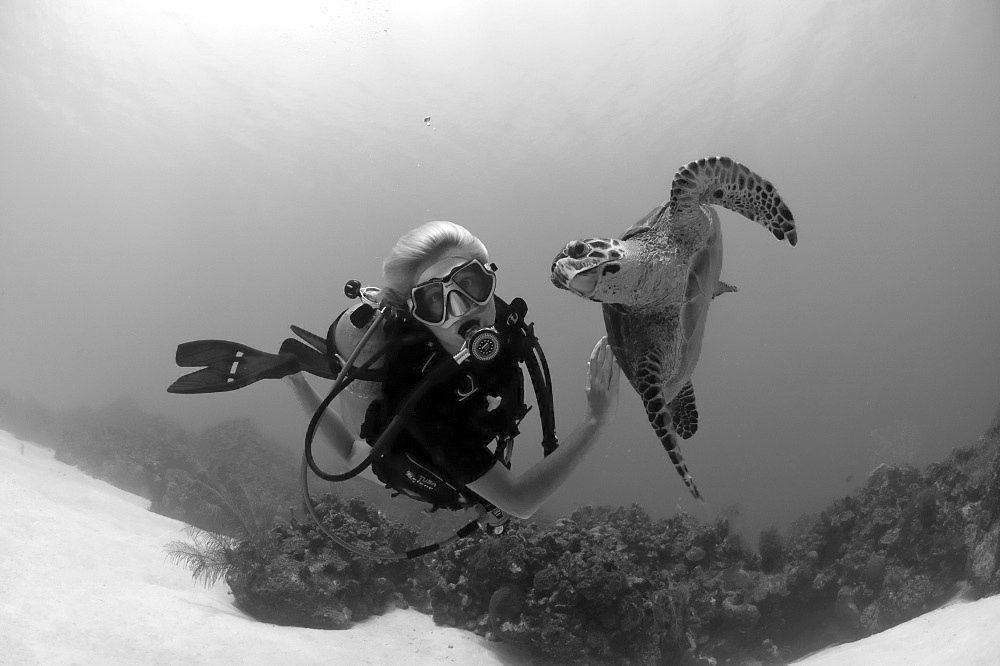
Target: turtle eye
577 249
610 269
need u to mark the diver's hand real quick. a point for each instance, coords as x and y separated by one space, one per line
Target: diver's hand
603 378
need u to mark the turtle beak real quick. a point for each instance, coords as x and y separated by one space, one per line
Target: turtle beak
557 274
584 283
566 276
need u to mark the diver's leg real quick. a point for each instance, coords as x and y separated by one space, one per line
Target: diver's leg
331 426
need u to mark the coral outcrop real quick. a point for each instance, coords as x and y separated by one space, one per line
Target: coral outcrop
310 582
611 585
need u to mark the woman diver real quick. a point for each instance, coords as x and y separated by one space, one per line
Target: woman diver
439 276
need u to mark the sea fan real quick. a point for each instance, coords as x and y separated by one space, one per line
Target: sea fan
208 555
241 547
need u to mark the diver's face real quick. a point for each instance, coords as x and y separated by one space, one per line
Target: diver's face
459 311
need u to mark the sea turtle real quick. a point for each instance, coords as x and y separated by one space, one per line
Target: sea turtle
657 280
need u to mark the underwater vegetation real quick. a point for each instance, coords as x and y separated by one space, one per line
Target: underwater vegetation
240 545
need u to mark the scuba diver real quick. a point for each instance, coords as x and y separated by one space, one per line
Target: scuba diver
428 371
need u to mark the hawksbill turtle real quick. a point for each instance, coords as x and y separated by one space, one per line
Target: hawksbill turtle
657 280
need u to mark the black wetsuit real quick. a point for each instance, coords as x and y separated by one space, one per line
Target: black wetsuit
451 435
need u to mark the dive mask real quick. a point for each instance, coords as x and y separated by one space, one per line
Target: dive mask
442 301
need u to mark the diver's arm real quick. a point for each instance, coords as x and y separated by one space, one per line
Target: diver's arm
522 495
331 426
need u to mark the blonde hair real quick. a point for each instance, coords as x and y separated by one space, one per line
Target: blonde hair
419 248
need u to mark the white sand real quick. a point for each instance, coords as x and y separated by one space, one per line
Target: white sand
84 580
961 634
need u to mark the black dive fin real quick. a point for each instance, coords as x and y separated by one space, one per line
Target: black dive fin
228 366
310 360
685 414
317 341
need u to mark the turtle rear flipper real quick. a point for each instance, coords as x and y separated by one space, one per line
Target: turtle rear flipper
669 443
685 414
723 288
662 418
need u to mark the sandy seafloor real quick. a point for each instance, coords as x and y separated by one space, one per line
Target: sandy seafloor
84 579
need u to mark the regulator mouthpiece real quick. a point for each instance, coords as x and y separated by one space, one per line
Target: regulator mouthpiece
482 344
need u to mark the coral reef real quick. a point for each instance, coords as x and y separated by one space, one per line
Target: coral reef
608 585
611 585
310 582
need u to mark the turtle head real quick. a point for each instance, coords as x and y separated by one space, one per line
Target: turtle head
585 267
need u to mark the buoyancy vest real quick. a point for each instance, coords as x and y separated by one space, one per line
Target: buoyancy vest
462 426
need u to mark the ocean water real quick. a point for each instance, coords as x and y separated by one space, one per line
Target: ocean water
180 170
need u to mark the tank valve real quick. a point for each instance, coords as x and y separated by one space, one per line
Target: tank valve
352 289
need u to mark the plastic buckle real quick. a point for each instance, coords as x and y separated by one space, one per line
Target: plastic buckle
468 388
505 449
492 520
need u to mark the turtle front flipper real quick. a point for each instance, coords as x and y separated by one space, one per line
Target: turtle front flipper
722 181
661 415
